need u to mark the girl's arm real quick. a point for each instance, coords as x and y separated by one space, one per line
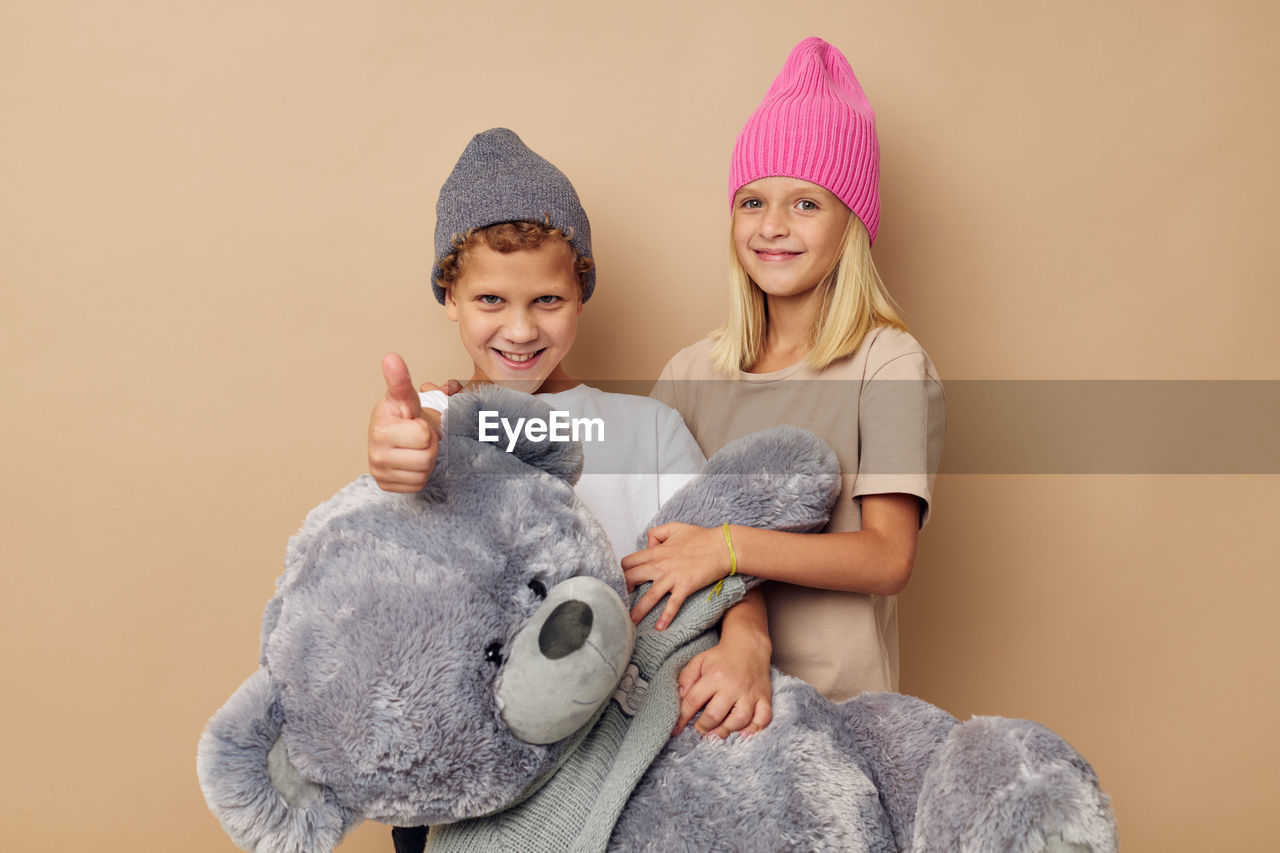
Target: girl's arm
730 683
877 560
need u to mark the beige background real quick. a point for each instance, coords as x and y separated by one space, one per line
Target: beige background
217 216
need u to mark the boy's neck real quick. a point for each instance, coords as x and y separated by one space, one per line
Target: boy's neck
555 383
555 386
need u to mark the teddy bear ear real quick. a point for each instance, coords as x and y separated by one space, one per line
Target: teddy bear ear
782 478
496 416
263 802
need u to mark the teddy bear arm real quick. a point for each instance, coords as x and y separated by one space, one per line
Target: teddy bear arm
262 800
270 617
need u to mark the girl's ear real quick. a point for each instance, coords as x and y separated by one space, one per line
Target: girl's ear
262 800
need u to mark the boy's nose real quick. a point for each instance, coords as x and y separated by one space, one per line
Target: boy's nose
520 329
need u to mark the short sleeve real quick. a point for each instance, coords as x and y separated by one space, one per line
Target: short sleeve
901 422
665 389
679 457
437 400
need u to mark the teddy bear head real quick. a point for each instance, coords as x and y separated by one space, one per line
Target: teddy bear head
489 603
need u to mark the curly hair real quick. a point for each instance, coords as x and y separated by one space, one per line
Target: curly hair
508 237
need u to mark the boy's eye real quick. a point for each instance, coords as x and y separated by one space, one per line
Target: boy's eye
549 299
489 299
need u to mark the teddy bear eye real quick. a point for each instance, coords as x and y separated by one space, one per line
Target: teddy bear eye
493 654
538 587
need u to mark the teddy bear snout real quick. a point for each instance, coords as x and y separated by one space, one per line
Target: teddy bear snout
565 661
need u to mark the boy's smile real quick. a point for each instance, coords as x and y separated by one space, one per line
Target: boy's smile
517 313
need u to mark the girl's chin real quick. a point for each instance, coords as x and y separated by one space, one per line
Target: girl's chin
786 290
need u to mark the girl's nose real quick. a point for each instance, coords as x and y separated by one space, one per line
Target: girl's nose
773 224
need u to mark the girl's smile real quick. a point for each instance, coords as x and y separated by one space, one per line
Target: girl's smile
773 255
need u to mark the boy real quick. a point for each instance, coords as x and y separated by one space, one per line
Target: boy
513 269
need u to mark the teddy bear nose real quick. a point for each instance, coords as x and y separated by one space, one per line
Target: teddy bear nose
566 630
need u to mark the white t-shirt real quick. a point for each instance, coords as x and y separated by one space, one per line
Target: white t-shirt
645 454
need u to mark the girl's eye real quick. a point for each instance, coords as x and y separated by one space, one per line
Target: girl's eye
807 205
490 299
752 203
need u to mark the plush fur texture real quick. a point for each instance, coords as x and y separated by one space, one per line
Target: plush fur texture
392 656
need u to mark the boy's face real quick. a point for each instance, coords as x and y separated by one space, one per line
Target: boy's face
517 313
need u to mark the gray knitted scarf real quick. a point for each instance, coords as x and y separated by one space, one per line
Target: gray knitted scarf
576 806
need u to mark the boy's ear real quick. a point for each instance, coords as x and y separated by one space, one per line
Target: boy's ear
262 800
450 307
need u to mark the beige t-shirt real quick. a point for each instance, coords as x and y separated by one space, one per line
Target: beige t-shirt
882 411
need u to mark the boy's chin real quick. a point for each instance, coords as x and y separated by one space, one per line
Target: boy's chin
527 384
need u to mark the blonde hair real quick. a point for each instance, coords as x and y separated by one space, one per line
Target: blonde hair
851 300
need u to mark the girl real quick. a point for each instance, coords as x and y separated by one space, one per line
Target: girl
812 339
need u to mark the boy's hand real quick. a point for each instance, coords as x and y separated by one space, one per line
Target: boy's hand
680 559
403 440
730 684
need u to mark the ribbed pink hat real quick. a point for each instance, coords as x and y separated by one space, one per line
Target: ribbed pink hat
815 124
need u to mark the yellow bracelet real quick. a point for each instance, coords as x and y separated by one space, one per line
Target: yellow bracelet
733 563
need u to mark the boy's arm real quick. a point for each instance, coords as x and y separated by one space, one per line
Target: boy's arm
403 437
730 682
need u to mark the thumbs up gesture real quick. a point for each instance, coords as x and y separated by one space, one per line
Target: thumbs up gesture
403 439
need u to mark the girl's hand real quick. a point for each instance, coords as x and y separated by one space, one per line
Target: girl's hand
680 559
729 683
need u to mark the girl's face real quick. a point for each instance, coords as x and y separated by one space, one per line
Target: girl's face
787 234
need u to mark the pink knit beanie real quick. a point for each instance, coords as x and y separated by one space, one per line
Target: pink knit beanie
815 124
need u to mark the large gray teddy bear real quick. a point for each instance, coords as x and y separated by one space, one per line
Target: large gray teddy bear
464 658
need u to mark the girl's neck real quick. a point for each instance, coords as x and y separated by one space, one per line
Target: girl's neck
786 337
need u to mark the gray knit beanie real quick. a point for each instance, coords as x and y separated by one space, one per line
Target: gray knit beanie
499 179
